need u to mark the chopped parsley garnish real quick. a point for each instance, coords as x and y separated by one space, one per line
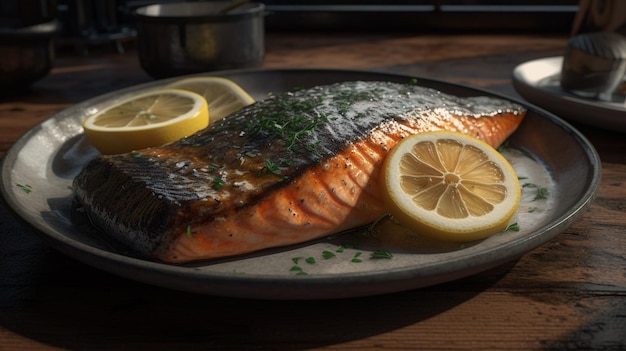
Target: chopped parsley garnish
217 183
25 187
381 254
503 147
512 227
371 230
299 270
292 128
310 260
356 258
542 193
272 167
327 254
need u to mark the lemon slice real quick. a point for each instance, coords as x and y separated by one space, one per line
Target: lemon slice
223 95
449 186
148 119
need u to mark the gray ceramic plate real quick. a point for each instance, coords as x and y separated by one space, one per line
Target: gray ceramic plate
538 81
47 158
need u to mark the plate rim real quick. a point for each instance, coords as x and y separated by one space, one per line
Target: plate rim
228 284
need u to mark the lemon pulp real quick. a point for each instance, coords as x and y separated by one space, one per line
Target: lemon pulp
449 186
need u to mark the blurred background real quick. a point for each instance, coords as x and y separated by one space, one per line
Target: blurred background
85 23
32 30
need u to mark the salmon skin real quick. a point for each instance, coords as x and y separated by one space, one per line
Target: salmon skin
295 167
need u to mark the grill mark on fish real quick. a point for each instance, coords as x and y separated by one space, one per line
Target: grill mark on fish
293 168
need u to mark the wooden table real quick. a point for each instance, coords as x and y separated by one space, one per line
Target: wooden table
567 294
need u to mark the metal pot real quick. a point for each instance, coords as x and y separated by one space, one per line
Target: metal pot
27 55
24 13
183 38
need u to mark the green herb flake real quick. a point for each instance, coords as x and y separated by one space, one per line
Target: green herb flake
504 147
356 258
340 249
296 259
413 81
269 167
381 254
272 167
188 230
512 227
217 183
532 209
327 254
25 187
310 260
299 270
529 185
542 193
371 230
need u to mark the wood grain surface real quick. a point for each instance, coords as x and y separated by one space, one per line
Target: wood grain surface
568 294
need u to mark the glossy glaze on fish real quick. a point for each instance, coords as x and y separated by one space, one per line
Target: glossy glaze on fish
292 168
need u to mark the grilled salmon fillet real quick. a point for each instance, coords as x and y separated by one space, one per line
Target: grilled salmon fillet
294 167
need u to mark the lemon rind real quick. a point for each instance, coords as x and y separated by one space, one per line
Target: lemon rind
194 112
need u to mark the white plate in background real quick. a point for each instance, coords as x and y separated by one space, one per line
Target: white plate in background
538 82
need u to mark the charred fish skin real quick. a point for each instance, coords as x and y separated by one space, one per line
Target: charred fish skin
288 169
122 206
